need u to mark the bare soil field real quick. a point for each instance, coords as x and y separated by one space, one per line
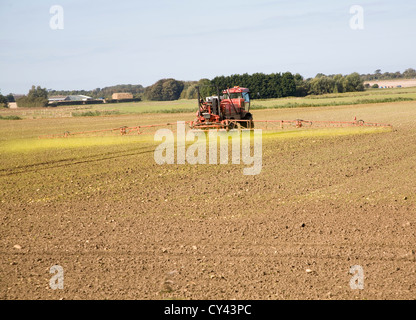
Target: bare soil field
124 227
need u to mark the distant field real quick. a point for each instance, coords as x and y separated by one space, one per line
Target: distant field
349 98
186 106
405 83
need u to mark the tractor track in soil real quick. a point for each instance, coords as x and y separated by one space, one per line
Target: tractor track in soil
69 162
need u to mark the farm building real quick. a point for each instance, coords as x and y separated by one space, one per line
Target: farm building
78 98
69 98
56 98
122 95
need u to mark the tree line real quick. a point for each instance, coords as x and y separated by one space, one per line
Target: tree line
4 100
265 86
409 73
262 86
36 98
277 85
337 83
164 90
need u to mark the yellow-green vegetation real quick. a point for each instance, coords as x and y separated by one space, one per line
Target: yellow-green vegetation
324 132
43 144
10 117
36 144
336 99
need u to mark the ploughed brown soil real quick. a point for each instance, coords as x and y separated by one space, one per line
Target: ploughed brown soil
123 227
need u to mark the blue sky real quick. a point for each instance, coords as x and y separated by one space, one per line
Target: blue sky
105 43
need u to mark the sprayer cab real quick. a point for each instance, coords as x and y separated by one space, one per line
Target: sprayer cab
236 103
